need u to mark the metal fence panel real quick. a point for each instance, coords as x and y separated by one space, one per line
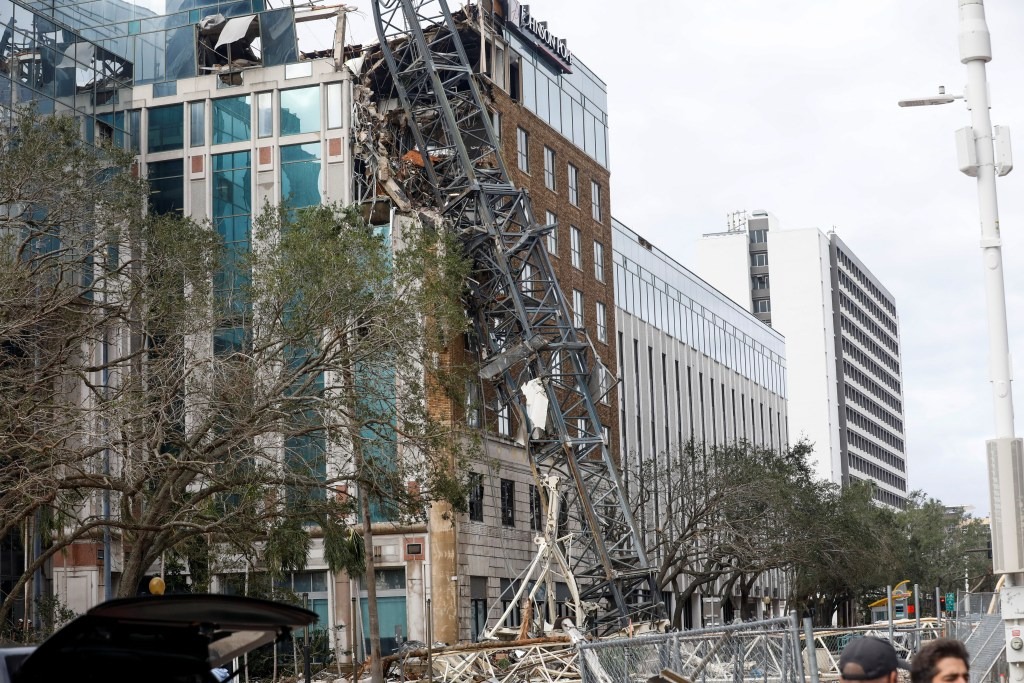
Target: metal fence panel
766 651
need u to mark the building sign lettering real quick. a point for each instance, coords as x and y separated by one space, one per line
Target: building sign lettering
558 47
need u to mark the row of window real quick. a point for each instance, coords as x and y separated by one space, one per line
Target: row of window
878 452
877 473
759 236
868 322
883 496
600 313
575 246
759 259
763 305
719 408
231 118
759 282
866 340
300 170
655 301
573 174
872 427
867 361
850 371
866 301
864 280
507 509
860 398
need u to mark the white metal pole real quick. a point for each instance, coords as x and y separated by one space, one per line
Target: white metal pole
1005 459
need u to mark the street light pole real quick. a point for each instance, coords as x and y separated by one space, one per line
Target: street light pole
984 155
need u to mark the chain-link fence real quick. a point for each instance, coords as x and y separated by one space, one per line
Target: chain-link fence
767 651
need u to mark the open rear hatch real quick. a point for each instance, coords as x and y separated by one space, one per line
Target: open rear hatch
160 639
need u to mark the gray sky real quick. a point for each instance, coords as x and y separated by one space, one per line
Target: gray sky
790 106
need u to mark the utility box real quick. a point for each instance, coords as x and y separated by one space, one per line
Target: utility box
1006 483
1004 155
967 152
1011 601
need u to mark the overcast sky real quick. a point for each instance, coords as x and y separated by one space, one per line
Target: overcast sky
790 106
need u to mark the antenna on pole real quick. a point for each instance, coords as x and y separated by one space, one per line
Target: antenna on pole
736 221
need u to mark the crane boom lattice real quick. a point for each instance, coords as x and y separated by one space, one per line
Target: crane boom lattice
521 319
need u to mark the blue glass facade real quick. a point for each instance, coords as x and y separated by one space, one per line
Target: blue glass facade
162 44
58 71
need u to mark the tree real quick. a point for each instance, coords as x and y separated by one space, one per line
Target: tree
942 546
718 516
849 552
225 399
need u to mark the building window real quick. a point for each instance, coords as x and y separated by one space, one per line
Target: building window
504 423
472 405
536 510
498 74
602 326
232 119
313 585
595 200
508 502
574 185
232 206
166 186
476 497
523 150
197 123
264 114
758 236
759 259
334 106
551 219
300 175
549 168
300 110
760 282
526 279
577 308
166 128
478 606
574 247
762 305
599 261
496 122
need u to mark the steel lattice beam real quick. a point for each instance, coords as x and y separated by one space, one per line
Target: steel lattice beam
516 303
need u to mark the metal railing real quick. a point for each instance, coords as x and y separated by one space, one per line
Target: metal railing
768 651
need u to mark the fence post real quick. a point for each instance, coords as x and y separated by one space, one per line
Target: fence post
890 610
812 650
794 629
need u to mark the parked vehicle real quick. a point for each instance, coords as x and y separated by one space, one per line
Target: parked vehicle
159 639
11 659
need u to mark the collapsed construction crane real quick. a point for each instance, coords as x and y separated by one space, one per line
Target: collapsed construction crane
531 354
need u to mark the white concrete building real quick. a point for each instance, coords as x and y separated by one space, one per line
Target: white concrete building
842 334
694 365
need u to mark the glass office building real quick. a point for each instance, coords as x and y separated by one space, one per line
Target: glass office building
159 38
54 68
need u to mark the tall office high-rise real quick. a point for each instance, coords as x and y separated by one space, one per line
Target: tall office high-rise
842 337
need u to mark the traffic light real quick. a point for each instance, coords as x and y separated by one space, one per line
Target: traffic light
942 602
910 610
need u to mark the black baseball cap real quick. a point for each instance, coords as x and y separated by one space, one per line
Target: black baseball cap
867 658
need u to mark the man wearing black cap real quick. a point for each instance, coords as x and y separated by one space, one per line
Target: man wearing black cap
869 659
